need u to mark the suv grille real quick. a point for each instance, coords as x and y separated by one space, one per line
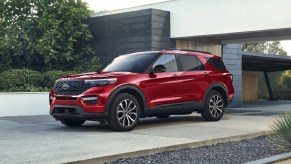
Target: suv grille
70 87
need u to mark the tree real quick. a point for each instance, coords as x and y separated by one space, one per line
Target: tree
45 34
265 47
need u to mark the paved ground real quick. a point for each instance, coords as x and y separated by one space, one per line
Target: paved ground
39 139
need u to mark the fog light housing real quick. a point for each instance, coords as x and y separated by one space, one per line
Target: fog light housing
90 99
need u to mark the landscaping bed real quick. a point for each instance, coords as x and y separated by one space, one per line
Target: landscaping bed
230 152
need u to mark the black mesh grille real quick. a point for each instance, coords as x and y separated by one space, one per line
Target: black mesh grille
70 87
65 111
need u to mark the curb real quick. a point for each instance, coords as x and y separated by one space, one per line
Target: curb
152 151
272 159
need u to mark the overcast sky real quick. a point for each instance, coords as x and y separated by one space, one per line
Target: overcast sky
101 5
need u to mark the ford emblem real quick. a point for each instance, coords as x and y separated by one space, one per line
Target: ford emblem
65 86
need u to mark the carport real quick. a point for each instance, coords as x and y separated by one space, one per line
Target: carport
266 63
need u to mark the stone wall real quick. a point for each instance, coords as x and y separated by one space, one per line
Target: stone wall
123 33
232 58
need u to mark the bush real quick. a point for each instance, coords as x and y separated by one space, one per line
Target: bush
25 80
282 130
14 80
49 77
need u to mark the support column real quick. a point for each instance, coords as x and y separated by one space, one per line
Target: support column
270 90
232 58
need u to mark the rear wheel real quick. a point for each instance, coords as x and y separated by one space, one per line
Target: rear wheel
124 112
214 107
72 123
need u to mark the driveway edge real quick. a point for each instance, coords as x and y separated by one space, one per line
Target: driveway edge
152 151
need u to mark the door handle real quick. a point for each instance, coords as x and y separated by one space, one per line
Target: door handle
176 75
205 73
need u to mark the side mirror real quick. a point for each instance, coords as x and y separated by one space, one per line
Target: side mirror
158 69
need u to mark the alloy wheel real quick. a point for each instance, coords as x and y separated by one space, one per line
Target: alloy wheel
127 112
216 106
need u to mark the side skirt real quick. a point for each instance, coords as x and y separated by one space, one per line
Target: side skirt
173 109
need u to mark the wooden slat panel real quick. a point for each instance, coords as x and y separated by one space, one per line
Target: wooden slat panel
249 87
213 48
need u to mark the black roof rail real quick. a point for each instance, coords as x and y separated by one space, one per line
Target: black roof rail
190 50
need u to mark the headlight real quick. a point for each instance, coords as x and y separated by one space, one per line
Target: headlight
100 82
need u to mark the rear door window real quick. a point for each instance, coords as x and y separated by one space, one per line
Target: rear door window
191 63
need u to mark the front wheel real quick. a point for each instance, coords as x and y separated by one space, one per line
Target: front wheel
124 112
214 107
72 123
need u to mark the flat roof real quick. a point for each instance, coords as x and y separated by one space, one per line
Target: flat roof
265 62
225 20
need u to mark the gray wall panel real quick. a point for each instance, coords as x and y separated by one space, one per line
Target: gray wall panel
232 58
129 32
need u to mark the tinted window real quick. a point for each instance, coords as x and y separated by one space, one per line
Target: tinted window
168 61
191 63
217 63
136 62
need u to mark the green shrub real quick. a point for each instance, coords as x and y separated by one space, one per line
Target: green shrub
14 79
282 130
92 65
49 77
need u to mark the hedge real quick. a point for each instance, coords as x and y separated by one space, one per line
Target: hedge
25 80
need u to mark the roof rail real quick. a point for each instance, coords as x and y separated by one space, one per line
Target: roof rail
189 50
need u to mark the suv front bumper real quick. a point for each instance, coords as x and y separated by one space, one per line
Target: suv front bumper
74 112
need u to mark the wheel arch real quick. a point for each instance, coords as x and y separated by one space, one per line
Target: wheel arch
130 89
217 87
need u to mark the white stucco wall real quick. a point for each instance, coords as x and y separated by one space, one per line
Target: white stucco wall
210 17
22 104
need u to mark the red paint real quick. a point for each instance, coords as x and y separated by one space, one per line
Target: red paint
158 89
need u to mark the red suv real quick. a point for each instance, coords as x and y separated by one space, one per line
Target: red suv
144 84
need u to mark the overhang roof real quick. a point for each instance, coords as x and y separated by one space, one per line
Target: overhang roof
265 62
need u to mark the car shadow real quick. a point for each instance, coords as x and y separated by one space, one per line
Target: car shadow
171 121
144 123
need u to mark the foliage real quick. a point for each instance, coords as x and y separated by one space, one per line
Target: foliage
265 47
17 79
282 130
89 66
24 80
44 34
286 79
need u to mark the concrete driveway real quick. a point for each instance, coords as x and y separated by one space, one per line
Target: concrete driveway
40 139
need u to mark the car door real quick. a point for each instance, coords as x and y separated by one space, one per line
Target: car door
164 88
194 78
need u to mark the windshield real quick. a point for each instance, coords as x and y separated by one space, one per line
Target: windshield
136 62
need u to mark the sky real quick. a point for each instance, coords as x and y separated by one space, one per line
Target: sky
102 5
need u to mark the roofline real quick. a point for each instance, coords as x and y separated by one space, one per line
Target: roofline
264 55
116 11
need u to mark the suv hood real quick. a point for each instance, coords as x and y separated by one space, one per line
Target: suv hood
95 75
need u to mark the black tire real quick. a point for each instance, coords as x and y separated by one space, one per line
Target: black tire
213 107
163 116
73 123
124 112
